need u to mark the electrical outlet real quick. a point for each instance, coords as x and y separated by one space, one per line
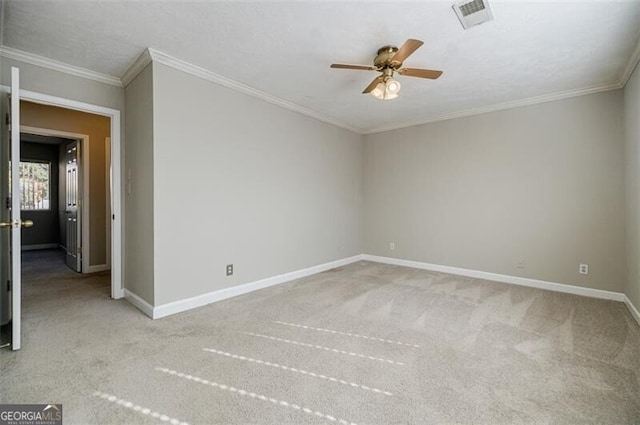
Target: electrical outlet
583 269
392 246
229 269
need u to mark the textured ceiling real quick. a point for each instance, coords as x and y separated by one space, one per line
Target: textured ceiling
284 49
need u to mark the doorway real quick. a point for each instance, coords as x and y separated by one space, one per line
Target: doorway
75 218
53 187
12 218
106 255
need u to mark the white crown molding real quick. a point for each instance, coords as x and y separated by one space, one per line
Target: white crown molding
136 67
11 53
502 106
150 54
197 71
631 65
495 277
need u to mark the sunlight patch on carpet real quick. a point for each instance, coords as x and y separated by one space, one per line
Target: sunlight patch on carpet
345 333
297 370
320 347
253 395
139 409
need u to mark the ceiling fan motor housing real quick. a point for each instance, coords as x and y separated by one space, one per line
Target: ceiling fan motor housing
383 60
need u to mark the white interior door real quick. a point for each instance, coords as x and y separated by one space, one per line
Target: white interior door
16 229
5 215
72 207
11 224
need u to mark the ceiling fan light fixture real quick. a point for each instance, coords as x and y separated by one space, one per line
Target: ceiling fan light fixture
386 90
393 86
378 92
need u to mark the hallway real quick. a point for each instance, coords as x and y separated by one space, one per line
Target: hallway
46 281
46 278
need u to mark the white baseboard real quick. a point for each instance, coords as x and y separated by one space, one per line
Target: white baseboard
522 281
38 246
223 294
97 268
138 302
632 309
234 291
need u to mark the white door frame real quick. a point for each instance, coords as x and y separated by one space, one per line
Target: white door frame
16 229
108 214
85 236
117 290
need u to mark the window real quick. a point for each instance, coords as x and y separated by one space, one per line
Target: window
34 185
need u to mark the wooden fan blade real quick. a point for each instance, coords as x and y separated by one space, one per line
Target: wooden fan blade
373 85
422 73
406 50
360 67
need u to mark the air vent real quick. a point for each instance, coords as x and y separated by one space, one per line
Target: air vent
472 13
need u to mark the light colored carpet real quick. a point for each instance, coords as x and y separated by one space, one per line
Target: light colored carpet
365 343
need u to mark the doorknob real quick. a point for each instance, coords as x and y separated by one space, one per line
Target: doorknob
24 223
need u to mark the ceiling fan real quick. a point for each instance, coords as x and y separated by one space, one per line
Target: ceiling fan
388 61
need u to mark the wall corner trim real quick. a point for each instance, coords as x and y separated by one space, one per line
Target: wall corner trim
180 65
136 67
11 53
139 303
514 280
233 291
632 309
631 64
551 97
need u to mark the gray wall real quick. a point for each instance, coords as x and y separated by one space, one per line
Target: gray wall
632 156
472 192
139 187
238 180
45 229
541 184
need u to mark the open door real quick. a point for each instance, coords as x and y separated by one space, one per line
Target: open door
5 217
10 222
73 226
